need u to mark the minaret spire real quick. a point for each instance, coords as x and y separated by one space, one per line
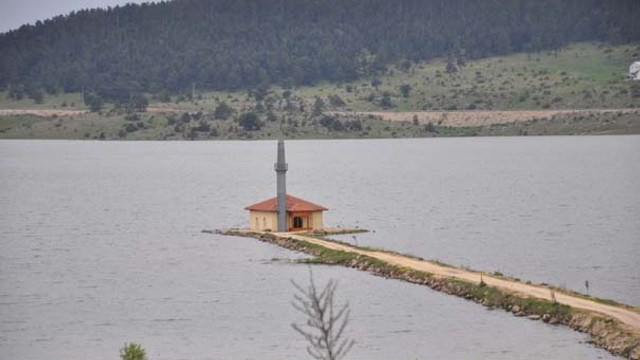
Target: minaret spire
281 168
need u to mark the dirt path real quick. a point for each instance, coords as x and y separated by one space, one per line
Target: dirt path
482 117
162 110
58 112
626 316
40 112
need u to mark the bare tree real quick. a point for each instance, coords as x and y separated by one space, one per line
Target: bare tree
324 328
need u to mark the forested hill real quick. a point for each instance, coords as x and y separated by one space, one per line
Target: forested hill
230 44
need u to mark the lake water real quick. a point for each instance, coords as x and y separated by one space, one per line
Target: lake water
101 243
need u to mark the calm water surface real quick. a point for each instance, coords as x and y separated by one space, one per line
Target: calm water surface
101 243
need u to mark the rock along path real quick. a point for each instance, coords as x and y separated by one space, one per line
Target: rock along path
624 315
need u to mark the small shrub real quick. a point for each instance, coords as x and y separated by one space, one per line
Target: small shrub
132 117
185 118
331 123
430 127
250 121
354 125
94 102
405 90
203 126
222 111
318 106
336 101
385 101
131 127
133 351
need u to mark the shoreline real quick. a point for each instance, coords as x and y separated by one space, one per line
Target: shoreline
475 118
154 125
612 326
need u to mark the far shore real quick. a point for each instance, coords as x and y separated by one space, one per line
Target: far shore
449 118
465 118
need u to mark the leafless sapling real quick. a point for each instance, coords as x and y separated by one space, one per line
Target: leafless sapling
325 325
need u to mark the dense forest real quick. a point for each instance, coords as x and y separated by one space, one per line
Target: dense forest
171 47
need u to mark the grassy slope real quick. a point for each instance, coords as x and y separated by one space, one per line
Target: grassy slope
62 101
516 81
580 76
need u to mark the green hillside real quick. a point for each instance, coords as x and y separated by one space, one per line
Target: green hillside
579 76
170 47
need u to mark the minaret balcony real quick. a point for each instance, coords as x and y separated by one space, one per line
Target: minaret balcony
281 167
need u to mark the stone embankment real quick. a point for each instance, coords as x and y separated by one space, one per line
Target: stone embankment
618 337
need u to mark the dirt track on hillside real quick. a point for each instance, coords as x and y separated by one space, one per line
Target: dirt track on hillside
58 112
40 112
481 117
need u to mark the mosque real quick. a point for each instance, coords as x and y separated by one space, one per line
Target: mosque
284 212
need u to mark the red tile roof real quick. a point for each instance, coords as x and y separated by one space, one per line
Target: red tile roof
293 204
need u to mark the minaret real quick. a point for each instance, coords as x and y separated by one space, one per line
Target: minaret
281 171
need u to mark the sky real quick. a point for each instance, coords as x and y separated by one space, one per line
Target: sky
14 13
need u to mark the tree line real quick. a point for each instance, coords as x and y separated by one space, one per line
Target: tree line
174 47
